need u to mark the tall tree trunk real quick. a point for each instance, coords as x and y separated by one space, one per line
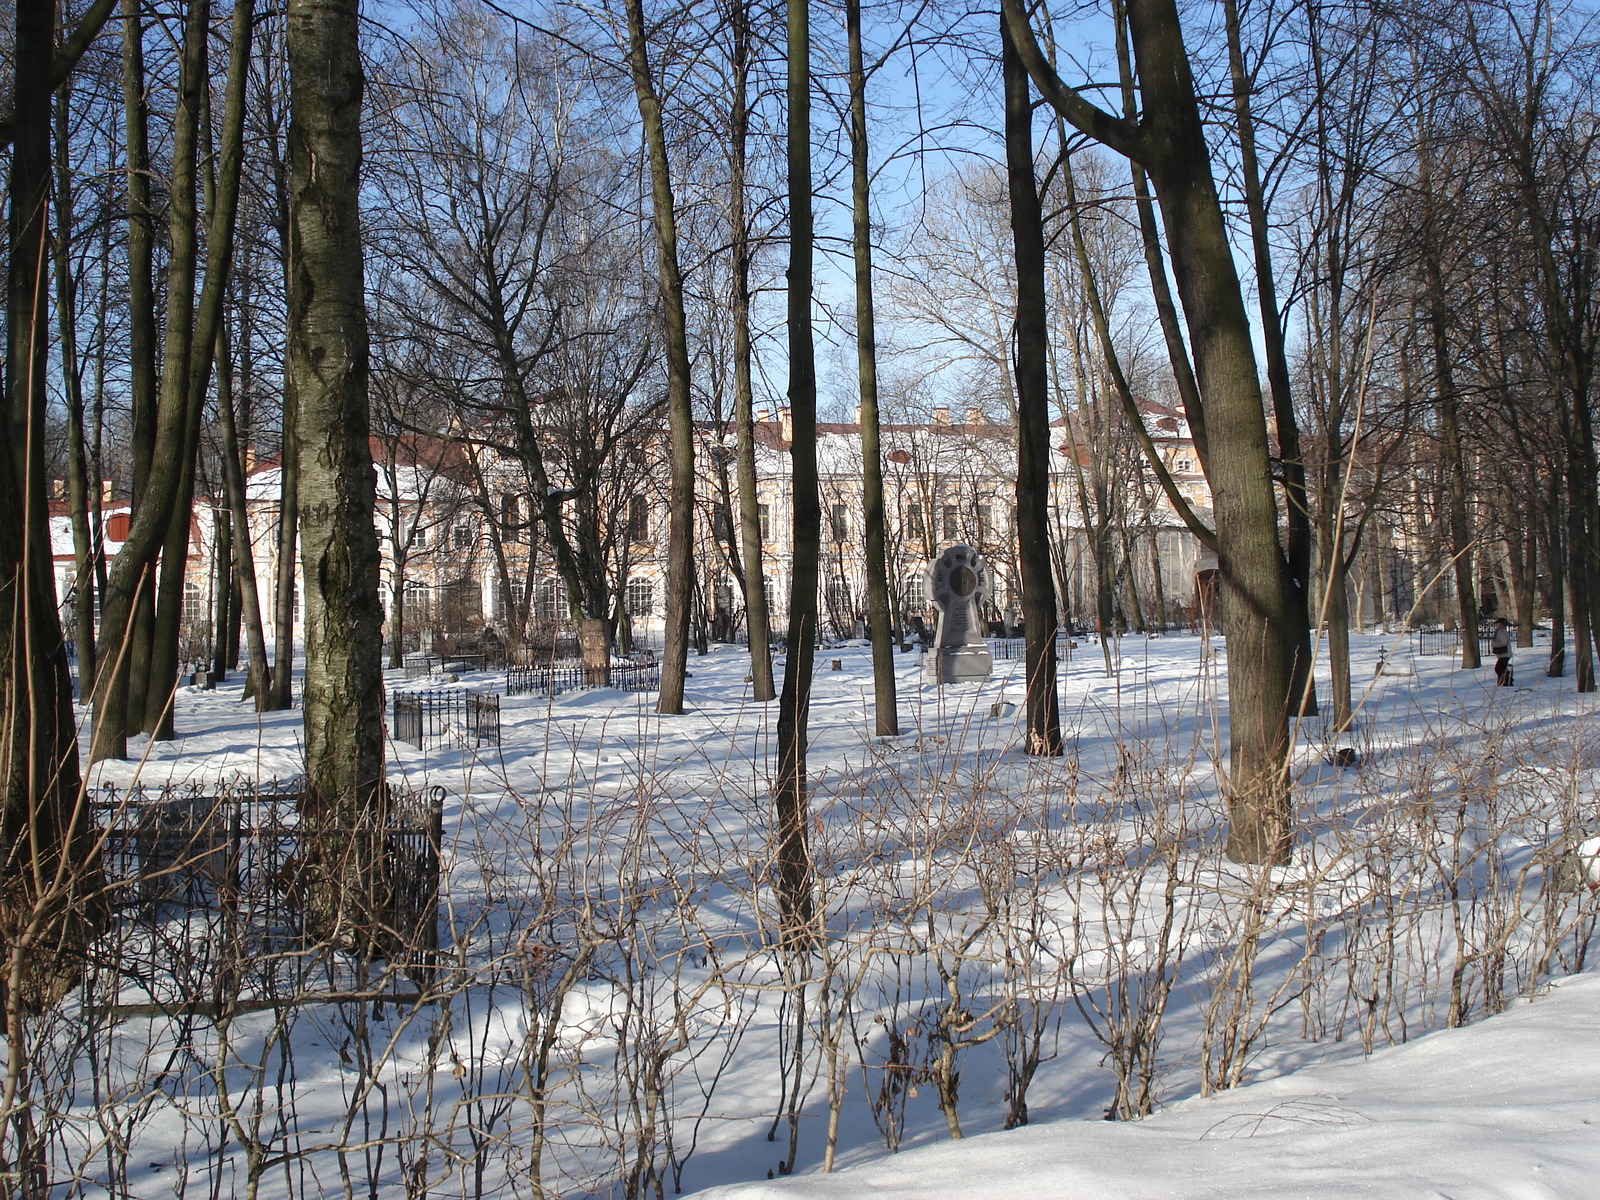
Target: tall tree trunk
126 694
1030 365
222 203
46 856
286 550
794 705
680 420
1170 143
1555 597
127 691
78 477
239 516
758 618
1297 508
328 359
885 705
1580 554
224 603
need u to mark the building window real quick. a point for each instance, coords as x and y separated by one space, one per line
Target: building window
194 607
764 515
419 610
952 523
914 593
510 517
641 596
419 537
549 602
841 523
985 523
1183 464
638 520
916 528
461 537
510 596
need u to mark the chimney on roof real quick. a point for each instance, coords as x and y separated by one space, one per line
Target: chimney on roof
105 491
941 417
858 414
975 416
249 459
58 489
786 423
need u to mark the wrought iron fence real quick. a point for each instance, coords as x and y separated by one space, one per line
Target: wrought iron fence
1015 649
554 678
419 666
201 869
431 717
1435 641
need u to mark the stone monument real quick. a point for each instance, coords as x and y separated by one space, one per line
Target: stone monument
958 582
596 650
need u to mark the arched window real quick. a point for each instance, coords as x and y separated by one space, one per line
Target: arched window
641 596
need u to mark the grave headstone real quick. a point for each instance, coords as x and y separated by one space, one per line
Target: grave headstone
596 653
958 582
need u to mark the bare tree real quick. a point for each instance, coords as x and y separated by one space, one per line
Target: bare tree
1169 143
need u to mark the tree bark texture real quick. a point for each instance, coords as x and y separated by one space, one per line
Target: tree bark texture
885 705
46 854
791 801
328 359
1031 366
1169 142
78 478
758 618
126 690
680 419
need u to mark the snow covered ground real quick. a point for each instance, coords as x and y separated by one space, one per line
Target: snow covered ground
1509 1107
1006 936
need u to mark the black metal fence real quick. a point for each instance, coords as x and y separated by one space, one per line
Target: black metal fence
1435 641
552 679
427 718
206 869
420 665
1015 649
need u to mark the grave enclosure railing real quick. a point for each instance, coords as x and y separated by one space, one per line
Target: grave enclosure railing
208 889
554 678
427 718
1015 649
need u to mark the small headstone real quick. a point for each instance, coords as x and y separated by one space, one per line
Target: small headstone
838 664
1344 756
1001 708
596 652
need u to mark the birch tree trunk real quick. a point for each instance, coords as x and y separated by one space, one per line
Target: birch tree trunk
328 360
